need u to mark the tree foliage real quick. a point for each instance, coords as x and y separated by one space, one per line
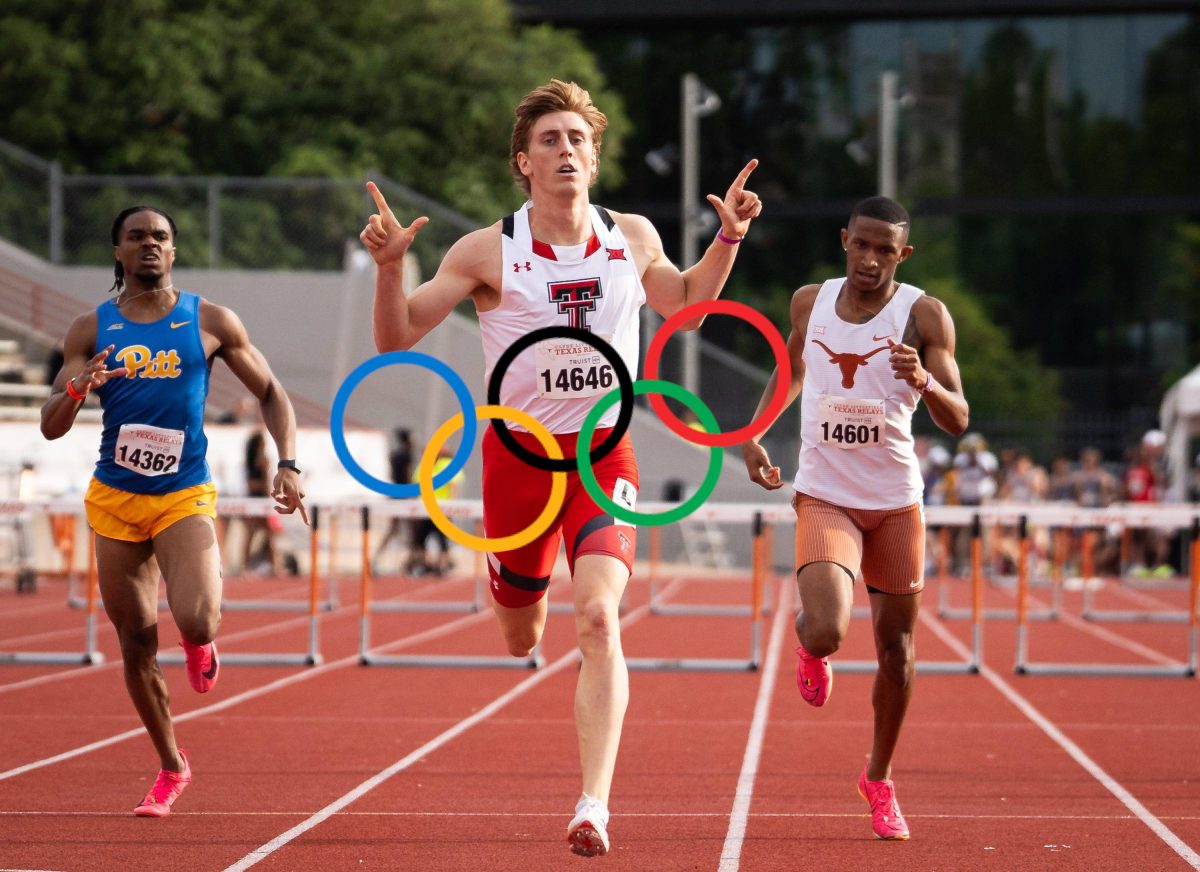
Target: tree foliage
421 90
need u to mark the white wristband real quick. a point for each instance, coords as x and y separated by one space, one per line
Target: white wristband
929 383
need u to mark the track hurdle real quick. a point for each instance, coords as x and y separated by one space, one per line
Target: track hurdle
367 607
952 515
1163 616
90 655
1172 516
999 515
760 564
310 657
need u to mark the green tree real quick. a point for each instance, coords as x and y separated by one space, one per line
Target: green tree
422 90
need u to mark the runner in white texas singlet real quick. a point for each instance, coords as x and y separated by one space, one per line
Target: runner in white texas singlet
559 261
865 349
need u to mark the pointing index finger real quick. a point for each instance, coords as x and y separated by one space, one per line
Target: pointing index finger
377 196
744 176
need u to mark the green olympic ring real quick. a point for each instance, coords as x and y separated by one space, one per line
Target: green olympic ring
588 476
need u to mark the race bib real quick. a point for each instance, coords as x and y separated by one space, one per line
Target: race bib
148 450
851 423
571 370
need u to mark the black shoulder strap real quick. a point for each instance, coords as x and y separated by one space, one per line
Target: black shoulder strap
507 225
605 216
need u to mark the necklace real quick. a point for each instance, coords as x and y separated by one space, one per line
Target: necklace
120 303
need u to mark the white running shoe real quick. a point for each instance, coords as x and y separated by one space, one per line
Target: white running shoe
587 833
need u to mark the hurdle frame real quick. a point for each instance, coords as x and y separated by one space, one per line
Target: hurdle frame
91 655
367 607
1090 613
1176 517
760 560
310 657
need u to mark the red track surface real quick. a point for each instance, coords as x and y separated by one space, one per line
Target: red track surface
462 769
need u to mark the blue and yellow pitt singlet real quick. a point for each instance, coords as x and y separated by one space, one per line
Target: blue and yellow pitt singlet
153 440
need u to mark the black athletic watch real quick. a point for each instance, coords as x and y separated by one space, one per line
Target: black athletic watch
289 464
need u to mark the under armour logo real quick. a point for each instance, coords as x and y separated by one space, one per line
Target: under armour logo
847 362
527 267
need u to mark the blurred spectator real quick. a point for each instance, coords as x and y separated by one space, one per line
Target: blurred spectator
974 483
269 556
418 558
1022 481
1060 482
1097 488
400 462
1144 481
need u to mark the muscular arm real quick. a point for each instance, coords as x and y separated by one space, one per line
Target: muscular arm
758 464
667 289
225 334
83 368
931 330
470 266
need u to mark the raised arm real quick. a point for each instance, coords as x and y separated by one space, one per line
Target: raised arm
667 289
252 370
758 464
400 321
82 370
934 329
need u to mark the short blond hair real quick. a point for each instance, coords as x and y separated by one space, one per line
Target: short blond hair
555 96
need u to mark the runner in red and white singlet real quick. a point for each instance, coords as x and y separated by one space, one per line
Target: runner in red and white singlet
559 261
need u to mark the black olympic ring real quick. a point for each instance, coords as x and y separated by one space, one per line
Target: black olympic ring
624 382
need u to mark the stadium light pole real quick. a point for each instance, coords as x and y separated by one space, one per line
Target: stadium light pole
697 101
891 101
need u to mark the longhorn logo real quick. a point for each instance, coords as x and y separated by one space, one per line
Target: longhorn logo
849 363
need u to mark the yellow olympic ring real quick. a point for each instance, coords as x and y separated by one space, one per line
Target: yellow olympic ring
558 482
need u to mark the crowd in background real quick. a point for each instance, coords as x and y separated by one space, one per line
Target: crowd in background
974 475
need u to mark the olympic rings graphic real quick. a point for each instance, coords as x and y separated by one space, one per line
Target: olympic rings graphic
624 417
337 424
558 481
588 477
783 374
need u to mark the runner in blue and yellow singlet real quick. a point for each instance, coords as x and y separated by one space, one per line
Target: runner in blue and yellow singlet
152 502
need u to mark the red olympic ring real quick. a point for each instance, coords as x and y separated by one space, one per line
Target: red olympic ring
783 374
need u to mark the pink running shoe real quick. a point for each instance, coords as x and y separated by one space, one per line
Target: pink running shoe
202 665
587 833
167 787
814 677
886 819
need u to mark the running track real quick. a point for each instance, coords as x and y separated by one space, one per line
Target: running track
345 767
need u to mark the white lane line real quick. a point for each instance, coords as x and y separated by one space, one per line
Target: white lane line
1074 751
698 815
731 851
571 658
262 690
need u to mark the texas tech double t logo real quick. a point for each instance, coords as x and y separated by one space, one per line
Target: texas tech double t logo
575 299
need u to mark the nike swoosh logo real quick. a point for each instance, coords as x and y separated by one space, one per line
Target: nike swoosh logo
212 670
873 338
175 324
116 326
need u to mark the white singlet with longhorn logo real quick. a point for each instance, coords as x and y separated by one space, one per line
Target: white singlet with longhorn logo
593 286
856 445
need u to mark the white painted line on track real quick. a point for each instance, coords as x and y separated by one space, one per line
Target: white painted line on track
1106 635
569 659
262 690
1074 751
699 815
731 851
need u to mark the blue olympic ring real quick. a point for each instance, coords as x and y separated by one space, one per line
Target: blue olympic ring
337 426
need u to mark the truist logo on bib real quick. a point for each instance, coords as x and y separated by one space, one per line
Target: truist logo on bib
141 363
847 362
575 299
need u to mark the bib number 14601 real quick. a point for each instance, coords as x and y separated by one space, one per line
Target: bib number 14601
849 434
